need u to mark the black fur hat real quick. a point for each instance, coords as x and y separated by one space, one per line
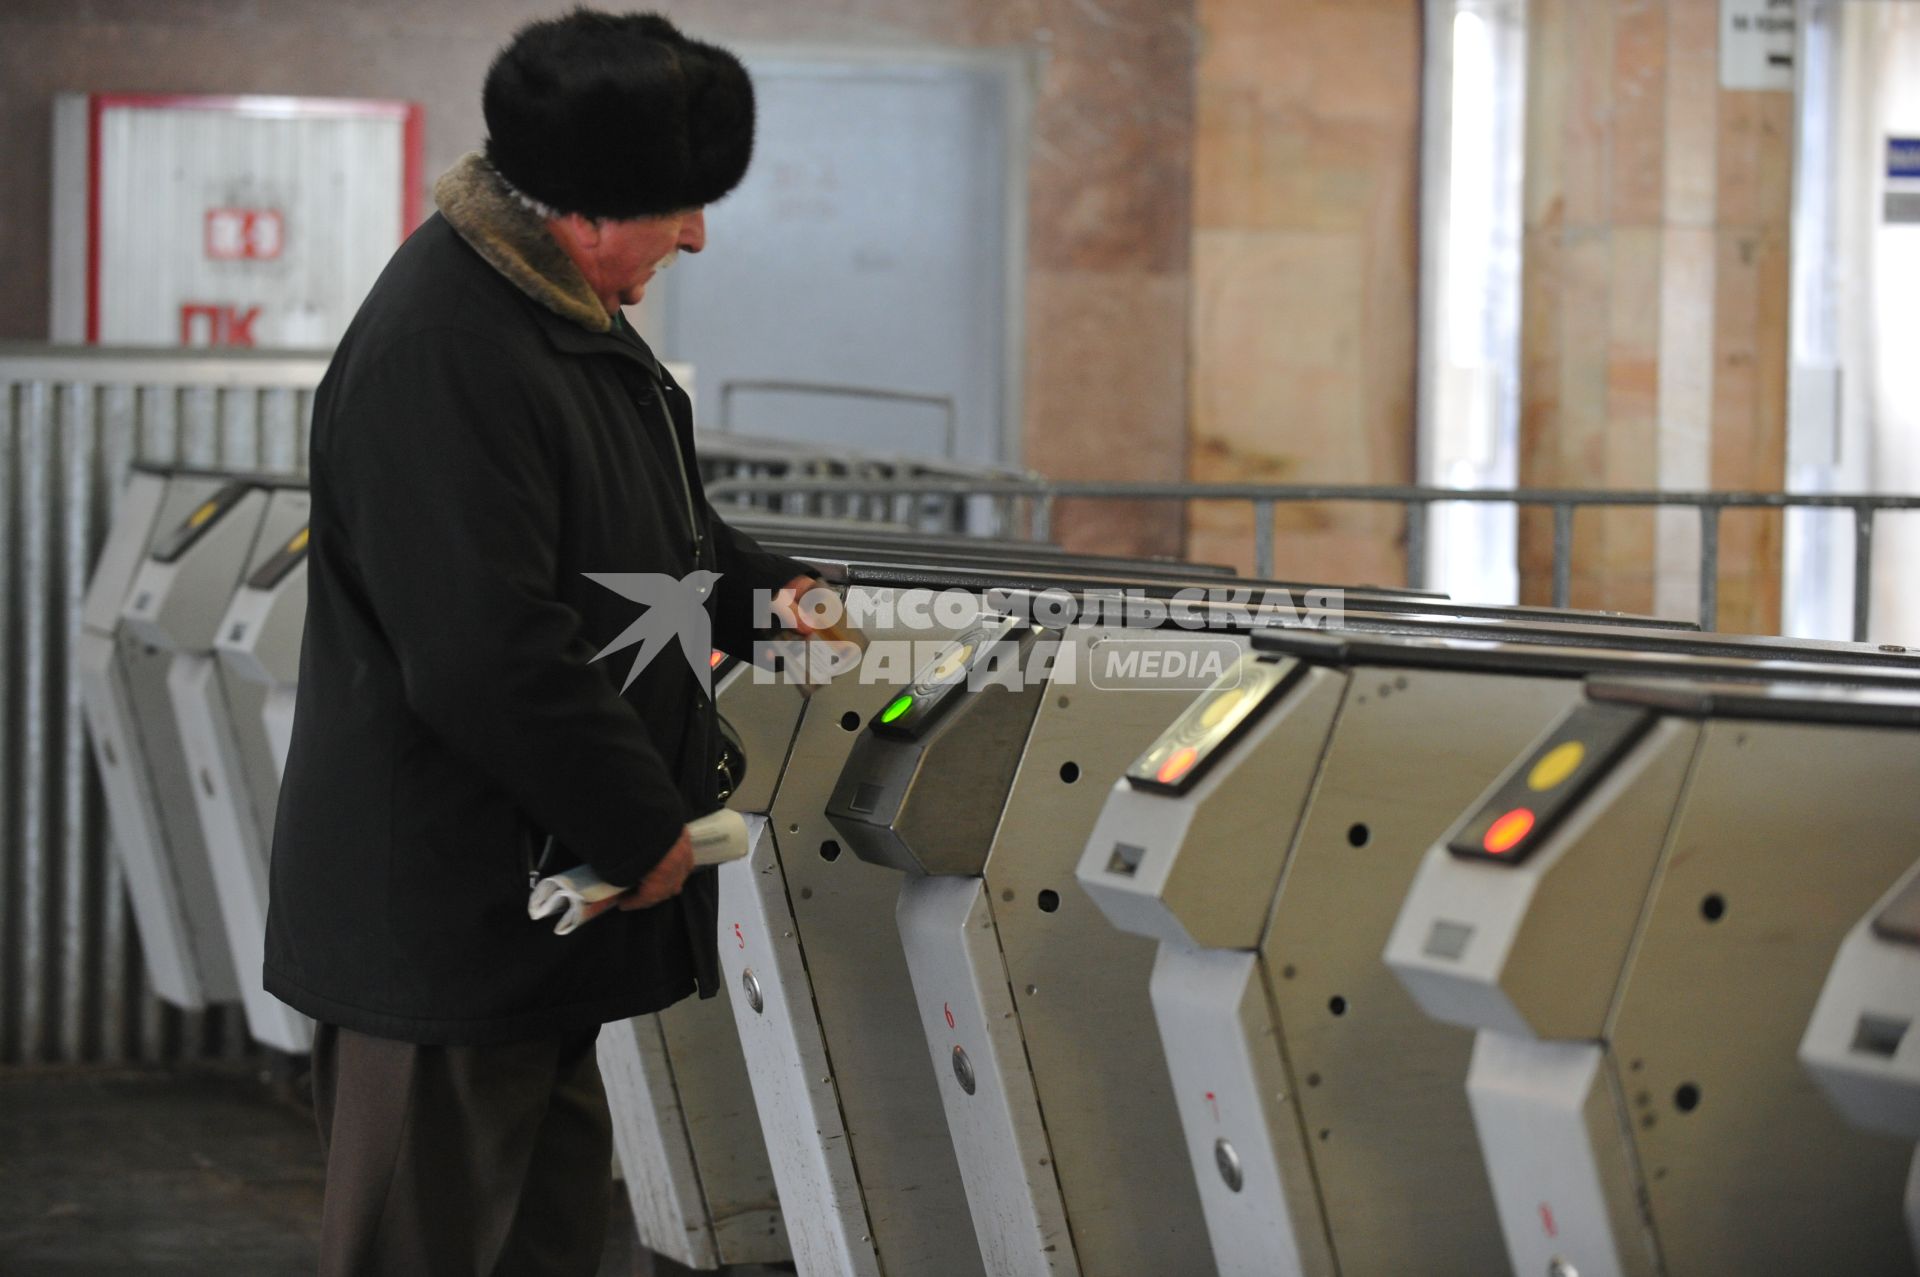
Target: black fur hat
617 116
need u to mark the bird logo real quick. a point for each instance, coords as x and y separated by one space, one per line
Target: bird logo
675 608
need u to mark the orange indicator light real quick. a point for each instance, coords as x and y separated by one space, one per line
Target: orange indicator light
713 661
1506 832
1177 765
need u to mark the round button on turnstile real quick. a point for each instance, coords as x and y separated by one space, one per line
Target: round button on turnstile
751 983
1229 1163
963 1069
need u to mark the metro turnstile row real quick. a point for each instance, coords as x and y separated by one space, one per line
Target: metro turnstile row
1014 1207
859 1147
1330 1124
1636 919
972 1086
209 738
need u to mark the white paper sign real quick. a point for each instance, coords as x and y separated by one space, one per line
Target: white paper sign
1756 44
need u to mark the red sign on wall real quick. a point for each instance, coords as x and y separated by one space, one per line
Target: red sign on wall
206 324
244 234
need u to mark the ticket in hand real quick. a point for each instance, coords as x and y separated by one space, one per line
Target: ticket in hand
580 895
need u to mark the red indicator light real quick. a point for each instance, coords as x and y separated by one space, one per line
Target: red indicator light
1177 765
713 661
1506 832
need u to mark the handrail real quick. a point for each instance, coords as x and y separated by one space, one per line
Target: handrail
1416 500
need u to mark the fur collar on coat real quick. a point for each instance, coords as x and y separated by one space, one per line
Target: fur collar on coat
482 208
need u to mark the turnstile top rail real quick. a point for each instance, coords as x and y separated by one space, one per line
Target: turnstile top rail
225 474
881 573
1577 651
1776 702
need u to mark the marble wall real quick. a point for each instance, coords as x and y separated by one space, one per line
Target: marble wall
1109 187
1655 291
1305 272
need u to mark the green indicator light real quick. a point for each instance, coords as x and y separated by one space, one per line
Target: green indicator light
900 706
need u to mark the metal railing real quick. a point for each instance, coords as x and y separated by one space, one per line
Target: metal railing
1028 505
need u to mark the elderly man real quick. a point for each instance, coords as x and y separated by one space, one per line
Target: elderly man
489 432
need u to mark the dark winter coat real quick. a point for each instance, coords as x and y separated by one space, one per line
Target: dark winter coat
483 438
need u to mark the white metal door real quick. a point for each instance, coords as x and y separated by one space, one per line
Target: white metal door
860 288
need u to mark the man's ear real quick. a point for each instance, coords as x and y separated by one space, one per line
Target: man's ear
581 232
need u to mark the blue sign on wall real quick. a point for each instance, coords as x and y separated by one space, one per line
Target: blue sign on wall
1903 157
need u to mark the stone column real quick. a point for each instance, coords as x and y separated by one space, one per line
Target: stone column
1305 292
1655 301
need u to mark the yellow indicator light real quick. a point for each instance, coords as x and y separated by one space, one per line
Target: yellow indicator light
1506 832
1556 765
201 515
713 661
952 662
901 704
1221 706
1177 765
299 541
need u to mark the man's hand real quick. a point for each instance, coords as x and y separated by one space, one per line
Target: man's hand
666 878
786 604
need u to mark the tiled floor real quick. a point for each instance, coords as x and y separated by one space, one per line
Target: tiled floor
175 1174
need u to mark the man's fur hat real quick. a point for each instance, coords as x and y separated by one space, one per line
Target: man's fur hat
617 116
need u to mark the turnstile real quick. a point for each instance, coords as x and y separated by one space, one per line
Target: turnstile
259 643
175 605
684 1128
1636 916
221 702
821 995
123 688
1860 1045
1267 840
982 791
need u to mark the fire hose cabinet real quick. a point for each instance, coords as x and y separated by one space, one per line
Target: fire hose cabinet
225 221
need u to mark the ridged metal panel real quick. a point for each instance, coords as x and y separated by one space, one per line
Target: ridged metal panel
72 988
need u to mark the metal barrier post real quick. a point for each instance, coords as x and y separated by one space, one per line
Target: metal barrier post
1043 516
1417 545
1709 567
1862 570
1263 538
1562 553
